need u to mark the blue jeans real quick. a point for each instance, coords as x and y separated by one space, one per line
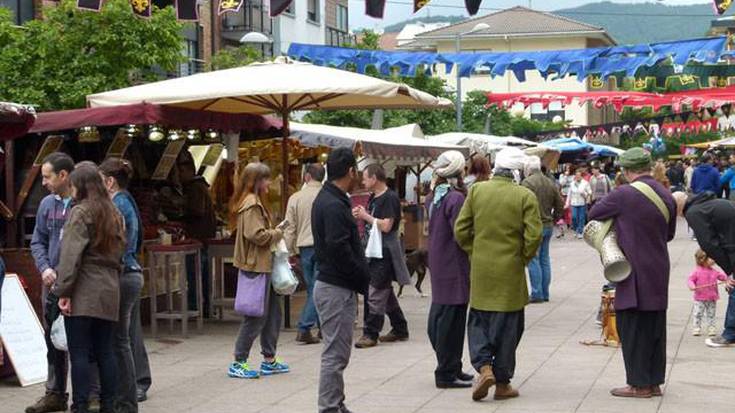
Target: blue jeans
309 317
729 333
539 269
579 218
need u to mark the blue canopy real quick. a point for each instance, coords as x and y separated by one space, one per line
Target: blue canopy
566 145
603 61
606 151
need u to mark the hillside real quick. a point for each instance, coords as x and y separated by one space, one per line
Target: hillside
626 23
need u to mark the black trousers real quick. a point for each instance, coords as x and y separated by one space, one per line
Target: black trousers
446 332
493 338
88 336
643 337
382 301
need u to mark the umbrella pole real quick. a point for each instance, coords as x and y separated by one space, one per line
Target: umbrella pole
284 163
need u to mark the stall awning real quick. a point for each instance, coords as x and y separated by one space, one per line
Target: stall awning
481 143
696 99
15 120
403 144
146 114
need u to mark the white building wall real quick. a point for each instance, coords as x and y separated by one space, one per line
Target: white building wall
578 115
298 28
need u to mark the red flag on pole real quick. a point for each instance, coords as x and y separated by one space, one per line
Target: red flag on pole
419 4
279 6
472 6
186 10
375 8
141 8
721 6
95 5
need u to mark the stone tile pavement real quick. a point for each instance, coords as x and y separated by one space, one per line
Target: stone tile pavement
555 373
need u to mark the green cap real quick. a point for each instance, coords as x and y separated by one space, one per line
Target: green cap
635 158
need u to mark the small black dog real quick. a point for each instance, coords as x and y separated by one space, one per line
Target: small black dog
417 262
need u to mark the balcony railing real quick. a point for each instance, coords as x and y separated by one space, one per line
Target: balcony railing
336 37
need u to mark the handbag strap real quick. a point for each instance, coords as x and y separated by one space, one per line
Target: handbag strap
646 190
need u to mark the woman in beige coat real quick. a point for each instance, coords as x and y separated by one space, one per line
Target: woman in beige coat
88 285
254 243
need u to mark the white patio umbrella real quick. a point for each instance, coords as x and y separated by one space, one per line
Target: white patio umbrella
279 87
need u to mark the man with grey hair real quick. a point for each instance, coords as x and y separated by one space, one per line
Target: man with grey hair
552 209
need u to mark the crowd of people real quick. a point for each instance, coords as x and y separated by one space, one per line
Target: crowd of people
489 226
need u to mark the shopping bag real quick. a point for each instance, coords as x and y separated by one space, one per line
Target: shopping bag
58 334
374 247
250 295
283 280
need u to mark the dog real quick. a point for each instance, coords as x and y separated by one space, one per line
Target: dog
417 262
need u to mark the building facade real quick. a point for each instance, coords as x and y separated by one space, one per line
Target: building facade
521 29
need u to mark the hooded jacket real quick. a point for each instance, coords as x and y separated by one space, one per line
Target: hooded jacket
706 178
713 221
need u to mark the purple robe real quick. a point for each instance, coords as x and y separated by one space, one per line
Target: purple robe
448 263
642 234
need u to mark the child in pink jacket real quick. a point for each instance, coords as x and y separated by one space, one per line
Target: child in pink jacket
703 281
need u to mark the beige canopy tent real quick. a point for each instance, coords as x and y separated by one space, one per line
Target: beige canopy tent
727 142
278 87
481 143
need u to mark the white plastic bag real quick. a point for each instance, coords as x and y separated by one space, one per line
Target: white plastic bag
374 247
58 334
283 280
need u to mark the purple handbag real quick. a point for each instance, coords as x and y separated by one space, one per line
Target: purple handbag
250 296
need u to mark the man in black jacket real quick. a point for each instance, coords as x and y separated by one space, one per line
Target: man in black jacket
343 272
713 222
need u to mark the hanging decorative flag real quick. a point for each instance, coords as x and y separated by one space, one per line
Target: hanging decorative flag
472 6
419 4
95 5
229 6
375 8
279 6
141 8
186 10
721 6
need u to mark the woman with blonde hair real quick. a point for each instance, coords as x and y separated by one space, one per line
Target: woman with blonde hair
659 174
254 240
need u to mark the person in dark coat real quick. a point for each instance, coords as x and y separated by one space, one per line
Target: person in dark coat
706 177
450 273
713 222
643 229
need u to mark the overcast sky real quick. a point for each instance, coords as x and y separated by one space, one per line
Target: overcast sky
399 10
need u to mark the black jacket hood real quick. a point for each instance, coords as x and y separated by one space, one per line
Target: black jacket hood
698 199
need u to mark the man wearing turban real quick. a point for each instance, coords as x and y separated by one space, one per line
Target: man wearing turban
500 228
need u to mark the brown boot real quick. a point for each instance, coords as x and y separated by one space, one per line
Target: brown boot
51 402
306 337
392 337
633 392
656 391
484 383
366 342
505 391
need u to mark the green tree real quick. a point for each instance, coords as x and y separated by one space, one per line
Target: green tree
55 62
235 57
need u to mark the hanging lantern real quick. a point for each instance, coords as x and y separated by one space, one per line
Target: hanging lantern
211 135
132 130
193 135
89 134
175 134
156 133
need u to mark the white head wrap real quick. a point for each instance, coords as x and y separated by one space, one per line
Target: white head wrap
449 164
533 165
510 158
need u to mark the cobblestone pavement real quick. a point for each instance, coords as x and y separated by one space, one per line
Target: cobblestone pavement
555 373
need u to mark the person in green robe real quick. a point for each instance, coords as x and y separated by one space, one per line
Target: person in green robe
500 228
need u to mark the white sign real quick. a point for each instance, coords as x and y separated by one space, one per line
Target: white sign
22 334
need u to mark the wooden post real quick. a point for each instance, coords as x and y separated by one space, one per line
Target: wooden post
12 235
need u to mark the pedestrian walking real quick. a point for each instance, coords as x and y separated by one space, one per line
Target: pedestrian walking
551 207
88 287
45 246
728 178
578 198
713 222
645 220
116 175
703 282
500 228
600 184
675 173
254 241
384 209
343 273
450 273
706 177
300 241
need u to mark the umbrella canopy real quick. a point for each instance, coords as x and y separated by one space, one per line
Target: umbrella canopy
15 120
481 143
279 87
606 151
405 143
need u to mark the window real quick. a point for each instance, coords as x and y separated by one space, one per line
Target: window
312 10
21 10
342 18
555 109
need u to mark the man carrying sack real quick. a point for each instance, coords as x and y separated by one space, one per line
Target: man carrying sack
645 220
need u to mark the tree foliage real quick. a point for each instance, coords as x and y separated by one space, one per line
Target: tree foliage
231 57
55 62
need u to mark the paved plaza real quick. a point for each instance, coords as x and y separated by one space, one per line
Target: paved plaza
555 373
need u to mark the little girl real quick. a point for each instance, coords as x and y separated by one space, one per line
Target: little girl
703 281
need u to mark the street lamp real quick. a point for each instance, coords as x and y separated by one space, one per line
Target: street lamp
478 28
255 37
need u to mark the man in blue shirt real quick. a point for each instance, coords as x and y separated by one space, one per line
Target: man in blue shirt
706 177
45 247
728 178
